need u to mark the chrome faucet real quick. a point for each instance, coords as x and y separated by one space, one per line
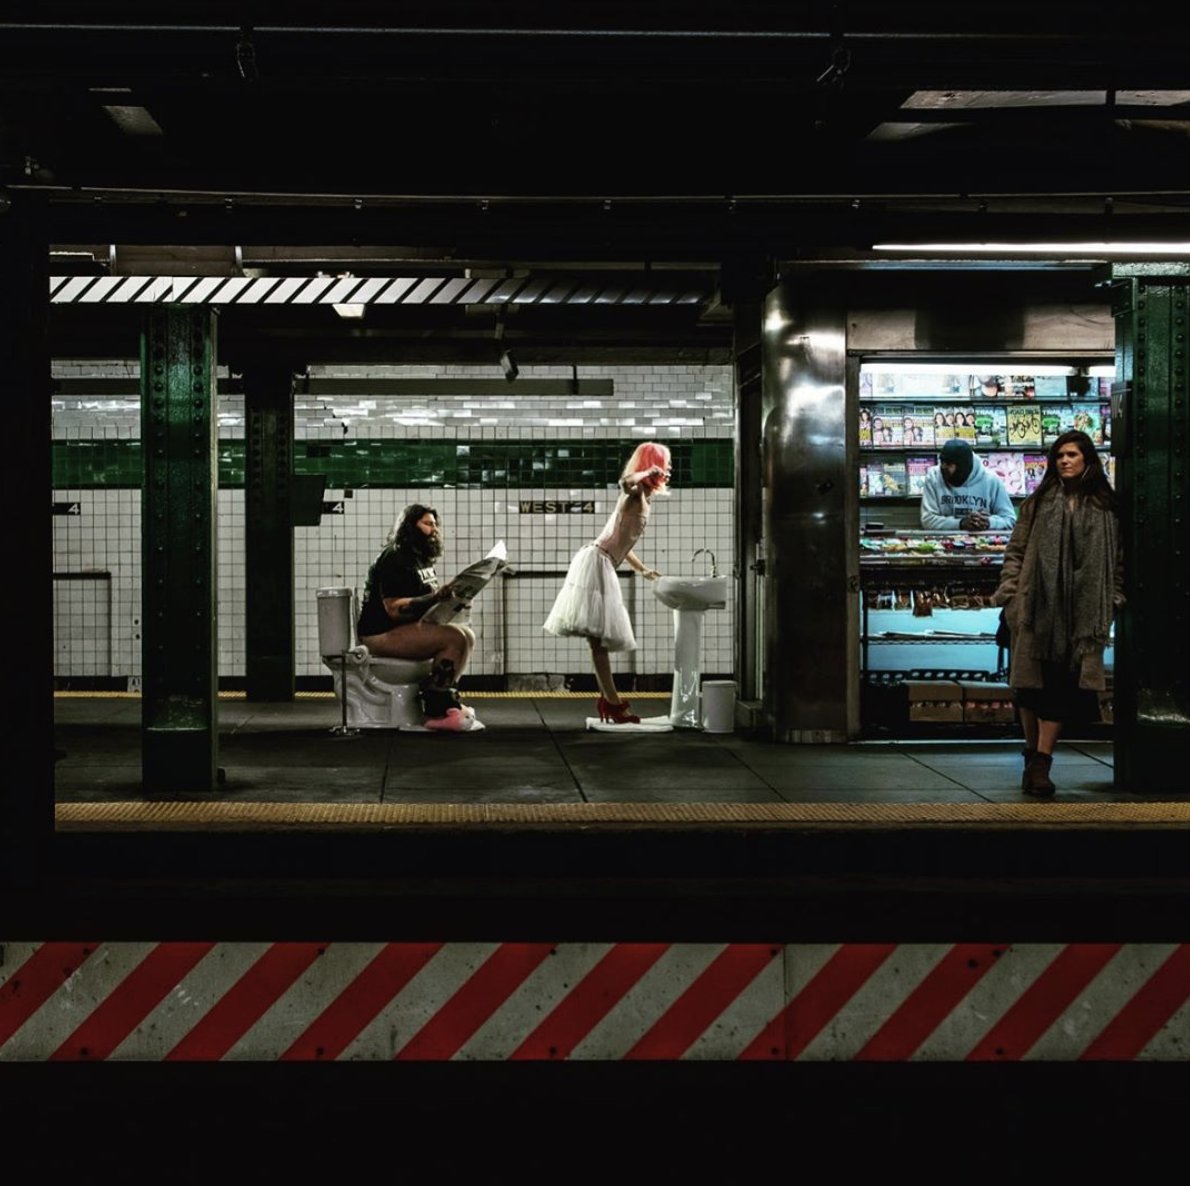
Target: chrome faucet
714 566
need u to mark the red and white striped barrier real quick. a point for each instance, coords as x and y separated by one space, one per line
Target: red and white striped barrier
594 1001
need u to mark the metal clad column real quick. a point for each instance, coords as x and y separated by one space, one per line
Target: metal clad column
268 532
749 478
811 687
27 802
1150 435
179 694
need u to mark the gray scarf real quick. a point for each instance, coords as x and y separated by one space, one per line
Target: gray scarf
1073 578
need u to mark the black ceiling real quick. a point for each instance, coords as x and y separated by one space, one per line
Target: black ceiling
455 135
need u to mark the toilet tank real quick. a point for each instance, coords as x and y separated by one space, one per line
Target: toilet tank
336 620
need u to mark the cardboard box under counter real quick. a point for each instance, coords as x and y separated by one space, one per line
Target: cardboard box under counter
986 702
934 700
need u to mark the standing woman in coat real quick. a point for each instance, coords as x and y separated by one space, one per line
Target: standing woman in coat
590 604
1060 585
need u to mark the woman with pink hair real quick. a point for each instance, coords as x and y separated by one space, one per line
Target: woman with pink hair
590 604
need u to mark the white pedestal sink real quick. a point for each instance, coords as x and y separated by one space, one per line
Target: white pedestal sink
689 598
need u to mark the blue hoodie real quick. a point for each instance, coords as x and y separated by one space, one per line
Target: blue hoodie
943 506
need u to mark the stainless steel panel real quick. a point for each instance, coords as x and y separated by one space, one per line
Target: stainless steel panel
810 678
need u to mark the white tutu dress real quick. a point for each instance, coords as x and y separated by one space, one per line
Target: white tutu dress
590 604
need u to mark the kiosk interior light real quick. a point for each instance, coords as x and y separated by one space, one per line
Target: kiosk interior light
1077 250
352 311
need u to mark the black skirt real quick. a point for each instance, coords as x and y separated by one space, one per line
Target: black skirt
1060 698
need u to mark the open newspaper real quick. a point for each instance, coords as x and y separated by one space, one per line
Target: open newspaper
467 586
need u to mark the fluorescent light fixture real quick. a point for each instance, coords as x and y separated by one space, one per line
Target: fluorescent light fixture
354 312
950 368
1050 249
133 121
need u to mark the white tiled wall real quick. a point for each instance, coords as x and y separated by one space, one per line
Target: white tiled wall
662 403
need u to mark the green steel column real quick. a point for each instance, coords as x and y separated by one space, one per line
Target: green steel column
268 534
1150 433
179 684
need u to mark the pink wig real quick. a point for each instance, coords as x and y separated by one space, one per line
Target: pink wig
645 456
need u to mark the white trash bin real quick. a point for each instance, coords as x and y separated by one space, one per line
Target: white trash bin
718 706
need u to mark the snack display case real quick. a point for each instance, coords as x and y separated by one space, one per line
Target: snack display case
925 599
928 650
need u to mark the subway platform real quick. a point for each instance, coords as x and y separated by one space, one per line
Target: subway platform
535 758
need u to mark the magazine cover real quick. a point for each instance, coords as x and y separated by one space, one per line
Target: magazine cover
467 586
991 426
894 479
1034 471
863 481
942 421
1021 387
887 429
1024 424
1086 418
865 427
1109 468
1051 425
987 386
964 423
916 469
865 384
1010 469
1105 421
1051 386
918 426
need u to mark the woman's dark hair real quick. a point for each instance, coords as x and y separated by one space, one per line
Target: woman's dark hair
407 536
1093 484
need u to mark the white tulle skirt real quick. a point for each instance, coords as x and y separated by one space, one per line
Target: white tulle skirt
590 604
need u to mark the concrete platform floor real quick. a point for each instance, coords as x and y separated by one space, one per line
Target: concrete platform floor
536 750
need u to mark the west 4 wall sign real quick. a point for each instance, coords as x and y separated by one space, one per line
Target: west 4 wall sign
573 507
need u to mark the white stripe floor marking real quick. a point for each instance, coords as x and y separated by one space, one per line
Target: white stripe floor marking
647 1000
1099 1002
744 1017
554 979
420 1000
75 1000
874 1002
987 1002
292 1013
189 1001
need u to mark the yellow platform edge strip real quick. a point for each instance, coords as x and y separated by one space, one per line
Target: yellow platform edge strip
190 816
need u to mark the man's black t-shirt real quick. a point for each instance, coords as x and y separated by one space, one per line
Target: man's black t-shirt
394 573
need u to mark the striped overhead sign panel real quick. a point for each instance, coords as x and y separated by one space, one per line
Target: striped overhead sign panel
963 1002
375 290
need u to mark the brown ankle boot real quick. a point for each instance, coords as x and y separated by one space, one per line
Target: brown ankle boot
1028 755
1037 776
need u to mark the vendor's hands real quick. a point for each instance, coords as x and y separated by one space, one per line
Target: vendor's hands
650 574
975 521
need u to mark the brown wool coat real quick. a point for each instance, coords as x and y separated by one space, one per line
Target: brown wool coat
1016 577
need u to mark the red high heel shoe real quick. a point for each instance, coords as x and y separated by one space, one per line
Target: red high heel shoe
617 714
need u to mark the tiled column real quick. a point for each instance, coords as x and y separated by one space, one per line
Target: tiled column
268 532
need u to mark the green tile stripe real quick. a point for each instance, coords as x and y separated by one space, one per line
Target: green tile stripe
82 465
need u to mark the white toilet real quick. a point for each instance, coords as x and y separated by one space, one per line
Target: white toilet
380 693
